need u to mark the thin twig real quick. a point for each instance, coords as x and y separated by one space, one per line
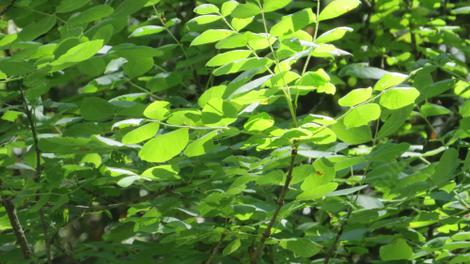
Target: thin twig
280 203
37 174
216 248
17 228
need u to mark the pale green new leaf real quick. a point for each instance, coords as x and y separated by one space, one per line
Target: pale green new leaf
146 30
240 23
141 134
355 97
390 80
165 147
210 36
294 22
259 122
157 110
205 19
246 10
337 8
205 9
333 35
273 5
128 181
228 7
201 145
397 98
362 115
228 57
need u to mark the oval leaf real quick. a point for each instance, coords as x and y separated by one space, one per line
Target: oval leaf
165 147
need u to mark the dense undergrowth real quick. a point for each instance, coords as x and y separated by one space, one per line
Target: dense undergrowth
217 131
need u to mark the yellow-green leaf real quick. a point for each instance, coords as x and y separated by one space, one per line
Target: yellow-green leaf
165 147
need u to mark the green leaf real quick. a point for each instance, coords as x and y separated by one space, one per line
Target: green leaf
464 109
318 184
390 80
362 70
66 6
273 5
260 64
434 110
141 134
397 250
362 115
96 109
231 247
218 112
259 122
240 23
301 247
128 181
388 151
201 145
205 9
92 14
205 19
210 36
246 10
161 173
293 22
213 92
446 167
333 35
146 30
317 192
228 57
38 28
11 116
157 110
79 53
337 8
356 135
355 97
228 7
399 97
461 236
165 147
394 121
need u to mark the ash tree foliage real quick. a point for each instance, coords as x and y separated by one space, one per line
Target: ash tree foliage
223 131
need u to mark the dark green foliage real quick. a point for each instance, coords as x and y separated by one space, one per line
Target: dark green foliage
223 131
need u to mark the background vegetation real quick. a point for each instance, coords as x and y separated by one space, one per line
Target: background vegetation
217 131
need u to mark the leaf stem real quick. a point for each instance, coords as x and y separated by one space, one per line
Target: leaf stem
307 61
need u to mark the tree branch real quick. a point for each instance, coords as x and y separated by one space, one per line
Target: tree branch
216 248
17 228
280 203
37 174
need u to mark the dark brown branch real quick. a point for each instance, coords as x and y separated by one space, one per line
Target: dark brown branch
216 248
95 208
332 249
17 228
37 174
280 203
